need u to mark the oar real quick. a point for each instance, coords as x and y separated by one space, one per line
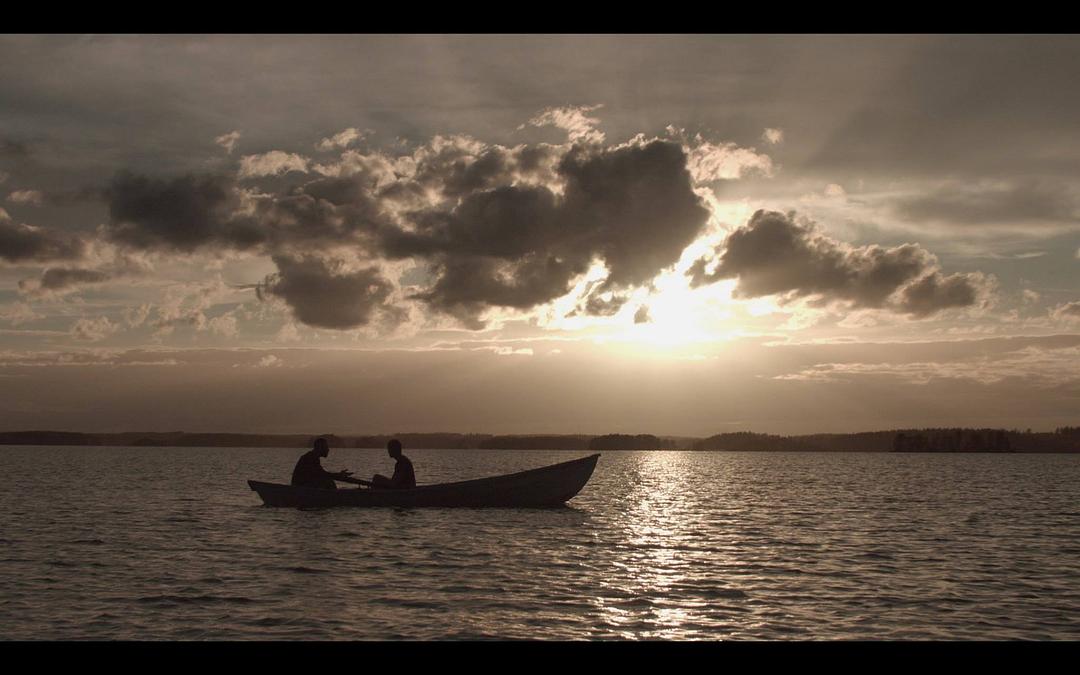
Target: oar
355 481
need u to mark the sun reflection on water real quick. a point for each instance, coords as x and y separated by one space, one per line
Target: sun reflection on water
661 556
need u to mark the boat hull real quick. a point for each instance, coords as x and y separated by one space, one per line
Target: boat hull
537 488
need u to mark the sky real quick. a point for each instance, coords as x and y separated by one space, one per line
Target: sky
680 235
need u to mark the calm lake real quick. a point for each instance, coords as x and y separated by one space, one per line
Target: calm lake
169 543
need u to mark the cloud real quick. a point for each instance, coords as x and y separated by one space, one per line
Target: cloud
510 351
18 313
105 262
1038 362
84 358
93 330
632 207
326 294
136 316
642 315
773 136
574 120
180 214
186 305
60 280
9 147
272 163
708 161
209 212
494 227
342 139
270 361
31 197
1066 312
224 325
935 292
711 162
1026 202
288 333
374 169
228 141
508 228
25 243
774 254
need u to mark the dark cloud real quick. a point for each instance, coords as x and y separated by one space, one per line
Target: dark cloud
457 171
635 206
10 147
1023 202
341 191
21 243
632 207
598 305
300 221
202 211
595 301
935 292
180 214
460 168
323 293
498 227
467 285
507 222
60 279
775 254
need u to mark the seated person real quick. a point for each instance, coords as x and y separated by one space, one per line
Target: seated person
309 471
403 478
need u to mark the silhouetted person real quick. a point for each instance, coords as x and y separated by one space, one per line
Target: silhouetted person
309 471
403 478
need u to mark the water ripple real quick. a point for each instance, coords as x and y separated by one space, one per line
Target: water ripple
658 546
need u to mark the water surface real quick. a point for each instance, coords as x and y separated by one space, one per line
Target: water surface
169 543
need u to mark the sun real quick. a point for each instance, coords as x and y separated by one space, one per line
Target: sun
672 316
665 316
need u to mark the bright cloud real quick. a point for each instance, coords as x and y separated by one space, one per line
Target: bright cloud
574 120
342 139
773 136
228 141
30 197
272 163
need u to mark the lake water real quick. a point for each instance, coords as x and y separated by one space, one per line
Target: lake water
169 543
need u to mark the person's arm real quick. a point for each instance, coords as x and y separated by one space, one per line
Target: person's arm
335 476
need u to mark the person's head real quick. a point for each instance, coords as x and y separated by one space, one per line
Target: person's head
394 448
322 447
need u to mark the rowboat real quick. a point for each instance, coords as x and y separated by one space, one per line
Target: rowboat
544 487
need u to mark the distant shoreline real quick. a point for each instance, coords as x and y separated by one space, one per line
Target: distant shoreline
938 440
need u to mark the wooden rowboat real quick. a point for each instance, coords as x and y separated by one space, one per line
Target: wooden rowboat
544 487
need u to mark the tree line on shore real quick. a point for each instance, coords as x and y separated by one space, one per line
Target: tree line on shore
1064 439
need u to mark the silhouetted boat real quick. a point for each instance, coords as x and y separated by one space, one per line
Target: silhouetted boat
547 486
